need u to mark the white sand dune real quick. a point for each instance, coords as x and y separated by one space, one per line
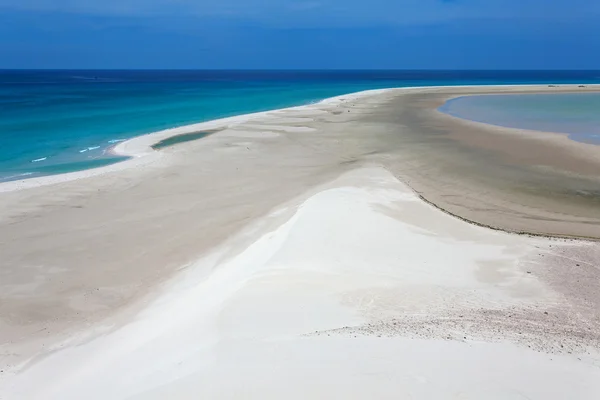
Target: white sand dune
361 249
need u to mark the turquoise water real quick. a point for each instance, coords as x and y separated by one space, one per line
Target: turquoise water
60 121
577 114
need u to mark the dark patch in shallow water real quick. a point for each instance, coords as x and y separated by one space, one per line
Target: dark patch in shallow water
187 137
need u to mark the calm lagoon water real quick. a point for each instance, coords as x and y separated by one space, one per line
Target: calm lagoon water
60 121
576 114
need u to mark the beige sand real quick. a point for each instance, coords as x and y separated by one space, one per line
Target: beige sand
281 257
521 181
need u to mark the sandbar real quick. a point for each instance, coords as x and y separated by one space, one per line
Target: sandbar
367 246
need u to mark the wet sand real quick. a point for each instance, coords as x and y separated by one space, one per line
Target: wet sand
514 180
291 237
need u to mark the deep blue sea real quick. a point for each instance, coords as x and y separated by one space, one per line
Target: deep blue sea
61 121
576 114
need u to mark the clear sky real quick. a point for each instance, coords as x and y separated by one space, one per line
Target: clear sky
299 34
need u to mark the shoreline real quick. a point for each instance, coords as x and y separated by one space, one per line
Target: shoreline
140 147
525 162
288 239
584 149
533 132
140 152
563 138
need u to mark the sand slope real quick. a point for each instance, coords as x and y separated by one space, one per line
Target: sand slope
360 250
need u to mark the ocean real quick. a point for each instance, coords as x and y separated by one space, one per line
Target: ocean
577 115
61 121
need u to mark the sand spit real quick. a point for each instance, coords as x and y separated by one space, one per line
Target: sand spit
327 303
285 256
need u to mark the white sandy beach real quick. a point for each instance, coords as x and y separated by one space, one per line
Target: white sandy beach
298 268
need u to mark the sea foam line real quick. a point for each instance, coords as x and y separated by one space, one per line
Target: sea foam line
89 149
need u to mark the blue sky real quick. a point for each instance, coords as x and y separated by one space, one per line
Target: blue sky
314 34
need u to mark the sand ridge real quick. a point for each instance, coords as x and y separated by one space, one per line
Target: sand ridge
285 256
345 257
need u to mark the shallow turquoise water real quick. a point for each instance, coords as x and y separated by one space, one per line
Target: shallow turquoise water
577 114
60 121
